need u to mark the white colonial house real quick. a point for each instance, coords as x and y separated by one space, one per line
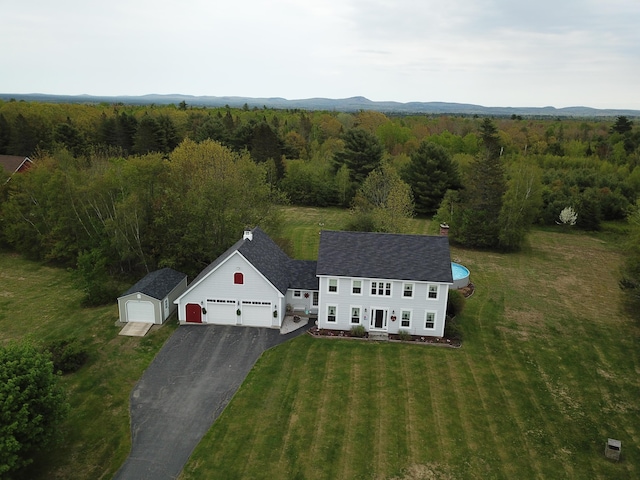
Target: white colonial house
384 282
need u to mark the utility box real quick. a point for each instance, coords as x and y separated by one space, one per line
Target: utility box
612 449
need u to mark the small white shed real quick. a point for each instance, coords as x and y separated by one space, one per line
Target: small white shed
151 299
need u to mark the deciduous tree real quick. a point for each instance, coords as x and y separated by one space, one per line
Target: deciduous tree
212 194
32 405
520 205
383 203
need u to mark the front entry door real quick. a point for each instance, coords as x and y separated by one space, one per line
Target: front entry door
379 320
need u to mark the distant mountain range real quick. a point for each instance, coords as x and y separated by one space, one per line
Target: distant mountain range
352 104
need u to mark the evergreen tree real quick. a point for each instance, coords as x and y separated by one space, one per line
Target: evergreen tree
622 125
5 135
168 133
430 174
71 138
26 135
362 154
589 210
126 128
149 137
478 222
107 133
489 137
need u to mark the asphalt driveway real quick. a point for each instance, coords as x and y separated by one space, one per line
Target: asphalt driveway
183 391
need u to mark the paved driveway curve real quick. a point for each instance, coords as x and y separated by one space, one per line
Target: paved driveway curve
183 391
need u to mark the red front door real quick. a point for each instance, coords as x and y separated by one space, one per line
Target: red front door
194 313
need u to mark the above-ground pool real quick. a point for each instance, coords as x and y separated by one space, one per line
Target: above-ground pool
460 275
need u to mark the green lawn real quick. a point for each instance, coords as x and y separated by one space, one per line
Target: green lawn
40 304
548 370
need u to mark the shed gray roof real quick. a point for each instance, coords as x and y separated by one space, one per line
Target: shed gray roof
302 275
385 255
157 284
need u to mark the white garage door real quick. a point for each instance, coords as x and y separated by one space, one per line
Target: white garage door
257 314
221 312
140 311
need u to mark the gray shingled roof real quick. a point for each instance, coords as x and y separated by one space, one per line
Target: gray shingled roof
302 275
263 253
157 284
385 255
268 258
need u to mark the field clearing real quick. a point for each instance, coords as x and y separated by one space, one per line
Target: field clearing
549 369
40 304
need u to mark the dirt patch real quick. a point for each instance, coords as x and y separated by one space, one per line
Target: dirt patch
428 471
528 318
468 290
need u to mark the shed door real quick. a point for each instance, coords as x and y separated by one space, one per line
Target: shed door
257 314
194 313
140 311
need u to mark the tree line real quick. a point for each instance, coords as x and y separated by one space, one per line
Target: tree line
119 190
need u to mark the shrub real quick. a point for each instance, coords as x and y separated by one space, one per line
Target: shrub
452 330
32 406
358 331
455 304
404 336
67 355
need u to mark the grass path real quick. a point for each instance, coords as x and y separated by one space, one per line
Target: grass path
41 304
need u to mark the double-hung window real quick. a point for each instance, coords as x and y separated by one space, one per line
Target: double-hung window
355 315
356 287
430 320
432 292
331 313
405 319
381 289
333 285
407 290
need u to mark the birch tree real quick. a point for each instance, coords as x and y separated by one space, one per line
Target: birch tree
520 205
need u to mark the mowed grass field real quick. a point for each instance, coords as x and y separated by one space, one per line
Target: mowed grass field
40 304
549 369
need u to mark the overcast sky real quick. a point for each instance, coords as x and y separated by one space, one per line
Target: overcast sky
487 52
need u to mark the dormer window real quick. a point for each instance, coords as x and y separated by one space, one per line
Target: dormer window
238 278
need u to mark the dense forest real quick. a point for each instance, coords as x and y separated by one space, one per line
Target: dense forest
120 190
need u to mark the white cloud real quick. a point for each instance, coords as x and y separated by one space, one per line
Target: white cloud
493 52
